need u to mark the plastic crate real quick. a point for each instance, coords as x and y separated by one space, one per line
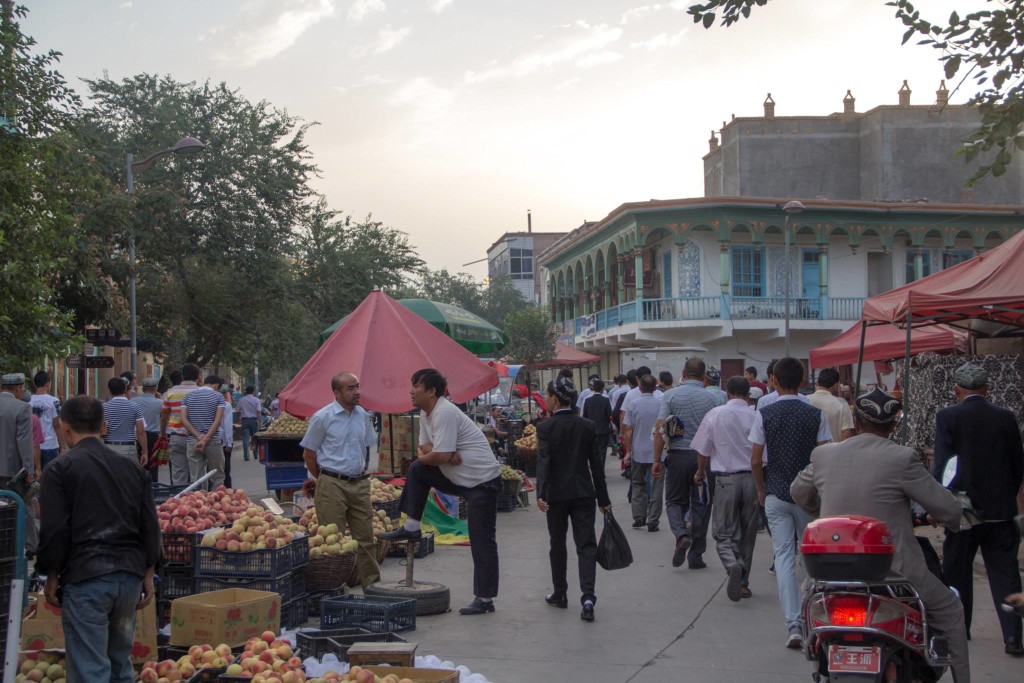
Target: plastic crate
314 643
390 507
6 577
511 487
340 645
163 614
316 597
164 492
285 475
507 503
270 563
295 613
290 586
397 548
175 582
179 549
378 613
8 530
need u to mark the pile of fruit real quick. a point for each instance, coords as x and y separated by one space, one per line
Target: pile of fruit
510 473
40 667
529 440
357 674
324 540
268 658
286 425
199 510
383 493
254 529
198 657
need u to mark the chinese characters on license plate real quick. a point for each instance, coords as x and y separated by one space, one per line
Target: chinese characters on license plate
854 659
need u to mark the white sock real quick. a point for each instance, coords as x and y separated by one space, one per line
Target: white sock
484 599
411 524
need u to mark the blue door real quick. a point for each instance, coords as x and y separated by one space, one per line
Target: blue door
810 276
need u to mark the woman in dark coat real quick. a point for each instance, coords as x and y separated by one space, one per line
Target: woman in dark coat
570 477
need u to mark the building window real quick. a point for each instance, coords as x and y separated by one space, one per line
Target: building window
952 258
926 268
747 272
521 264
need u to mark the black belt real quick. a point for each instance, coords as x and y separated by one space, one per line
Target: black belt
343 477
120 443
729 474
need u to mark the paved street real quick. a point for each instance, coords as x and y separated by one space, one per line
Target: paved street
654 623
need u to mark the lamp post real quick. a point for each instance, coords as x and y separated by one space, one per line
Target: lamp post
186 145
789 209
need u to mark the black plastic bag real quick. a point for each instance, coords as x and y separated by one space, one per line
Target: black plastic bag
613 549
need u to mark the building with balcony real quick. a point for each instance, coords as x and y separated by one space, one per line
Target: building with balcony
706 276
514 254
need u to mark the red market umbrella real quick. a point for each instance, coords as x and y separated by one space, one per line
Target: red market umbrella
384 343
883 342
568 357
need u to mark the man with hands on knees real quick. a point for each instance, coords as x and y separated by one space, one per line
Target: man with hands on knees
99 544
454 457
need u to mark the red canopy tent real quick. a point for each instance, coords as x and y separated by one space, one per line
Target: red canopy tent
384 343
568 357
883 342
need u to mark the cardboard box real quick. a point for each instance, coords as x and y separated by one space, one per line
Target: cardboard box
391 463
43 630
230 616
417 675
400 424
401 442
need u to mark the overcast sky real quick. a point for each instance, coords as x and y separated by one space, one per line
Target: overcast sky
448 119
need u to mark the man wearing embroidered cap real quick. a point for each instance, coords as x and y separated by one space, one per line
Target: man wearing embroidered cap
870 475
990 467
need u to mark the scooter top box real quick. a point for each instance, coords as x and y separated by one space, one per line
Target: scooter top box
847 548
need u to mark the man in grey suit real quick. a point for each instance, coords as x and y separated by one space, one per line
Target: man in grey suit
16 444
870 475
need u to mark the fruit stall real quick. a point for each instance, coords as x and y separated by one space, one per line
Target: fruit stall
278 448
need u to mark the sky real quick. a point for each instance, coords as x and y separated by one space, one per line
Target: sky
450 119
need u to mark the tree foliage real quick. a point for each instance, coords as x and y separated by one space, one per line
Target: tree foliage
986 47
531 336
493 302
501 299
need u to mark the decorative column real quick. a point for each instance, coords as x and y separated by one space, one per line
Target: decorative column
638 277
620 277
823 280
918 257
725 276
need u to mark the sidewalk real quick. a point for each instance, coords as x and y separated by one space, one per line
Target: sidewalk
654 623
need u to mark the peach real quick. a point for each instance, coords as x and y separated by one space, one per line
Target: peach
268 637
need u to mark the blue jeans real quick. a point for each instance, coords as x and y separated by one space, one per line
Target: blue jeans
787 522
46 456
98 616
250 425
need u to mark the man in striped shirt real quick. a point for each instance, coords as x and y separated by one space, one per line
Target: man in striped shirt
125 424
185 381
202 411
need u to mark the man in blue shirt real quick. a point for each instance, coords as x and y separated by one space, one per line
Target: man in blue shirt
335 448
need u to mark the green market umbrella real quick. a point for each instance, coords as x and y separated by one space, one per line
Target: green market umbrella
472 332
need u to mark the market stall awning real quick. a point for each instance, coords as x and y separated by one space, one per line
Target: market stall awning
568 357
987 287
883 342
384 343
471 331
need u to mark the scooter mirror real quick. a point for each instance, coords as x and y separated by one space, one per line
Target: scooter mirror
949 473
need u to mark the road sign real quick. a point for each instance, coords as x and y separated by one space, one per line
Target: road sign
90 361
98 336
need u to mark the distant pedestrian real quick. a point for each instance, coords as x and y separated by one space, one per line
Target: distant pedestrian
129 381
275 407
751 375
837 411
598 409
249 410
723 442
151 407
772 395
788 430
227 434
634 392
171 426
665 381
16 448
587 392
647 492
570 476
47 409
202 411
713 383
126 428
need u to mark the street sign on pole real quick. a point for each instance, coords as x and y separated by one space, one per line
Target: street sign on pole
90 361
99 336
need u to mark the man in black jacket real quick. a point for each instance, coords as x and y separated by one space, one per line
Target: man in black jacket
570 475
990 468
99 543
598 409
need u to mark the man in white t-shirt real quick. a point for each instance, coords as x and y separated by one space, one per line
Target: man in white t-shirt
455 458
47 409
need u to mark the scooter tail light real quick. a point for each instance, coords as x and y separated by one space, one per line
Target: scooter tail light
847 610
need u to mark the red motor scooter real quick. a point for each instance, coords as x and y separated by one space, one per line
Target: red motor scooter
861 622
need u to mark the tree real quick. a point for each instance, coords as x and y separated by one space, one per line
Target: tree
44 179
459 290
985 46
531 338
501 299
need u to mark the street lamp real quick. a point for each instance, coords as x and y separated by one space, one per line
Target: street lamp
186 145
789 209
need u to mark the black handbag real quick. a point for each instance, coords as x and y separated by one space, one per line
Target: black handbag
613 549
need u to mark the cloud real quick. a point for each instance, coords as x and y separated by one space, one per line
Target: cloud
581 45
361 9
127 4
266 41
424 97
659 41
439 5
387 39
597 58
637 13
568 83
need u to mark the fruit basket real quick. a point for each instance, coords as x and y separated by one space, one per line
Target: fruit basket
289 586
179 549
164 492
390 508
329 571
295 613
175 582
382 552
378 613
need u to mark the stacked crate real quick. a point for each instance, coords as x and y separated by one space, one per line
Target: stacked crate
8 559
176 574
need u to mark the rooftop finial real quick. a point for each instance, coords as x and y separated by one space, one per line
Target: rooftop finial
769 107
942 95
849 103
904 94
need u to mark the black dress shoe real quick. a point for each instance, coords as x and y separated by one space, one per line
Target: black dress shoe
587 614
652 527
478 606
679 555
639 522
402 534
699 564
556 600
1014 647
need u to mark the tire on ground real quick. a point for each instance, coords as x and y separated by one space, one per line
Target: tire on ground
431 598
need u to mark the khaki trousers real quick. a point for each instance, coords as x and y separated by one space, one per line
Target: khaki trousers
201 462
347 504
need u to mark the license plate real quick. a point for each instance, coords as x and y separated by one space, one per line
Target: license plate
867 660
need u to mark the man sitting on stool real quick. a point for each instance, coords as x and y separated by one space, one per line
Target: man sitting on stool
455 458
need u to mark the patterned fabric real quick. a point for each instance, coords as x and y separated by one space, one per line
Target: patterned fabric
791 432
172 403
689 270
121 415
